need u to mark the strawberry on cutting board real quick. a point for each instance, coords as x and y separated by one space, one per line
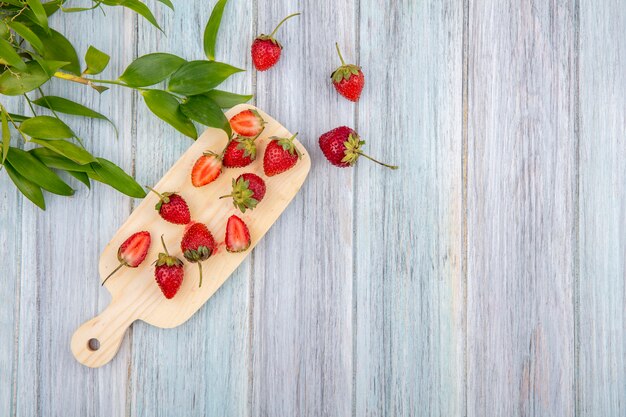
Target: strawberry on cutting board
240 152
266 49
348 79
247 123
237 235
132 252
172 207
280 155
248 191
206 169
168 272
198 245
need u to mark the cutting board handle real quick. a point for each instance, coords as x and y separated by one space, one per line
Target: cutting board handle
97 341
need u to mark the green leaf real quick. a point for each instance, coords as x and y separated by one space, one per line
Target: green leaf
63 105
166 107
46 127
108 173
26 187
141 9
204 110
27 34
226 100
50 67
8 54
168 3
53 160
81 176
15 84
35 171
52 7
96 61
211 29
151 69
41 17
67 149
17 118
197 77
6 135
58 48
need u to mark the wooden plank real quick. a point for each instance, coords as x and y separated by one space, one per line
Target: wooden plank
521 208
10 244
58 277
409 336
601 383
302 273
208 354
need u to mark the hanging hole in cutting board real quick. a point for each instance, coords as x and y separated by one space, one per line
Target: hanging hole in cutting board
93 344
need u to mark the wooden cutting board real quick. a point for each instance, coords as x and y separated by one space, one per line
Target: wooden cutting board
135 294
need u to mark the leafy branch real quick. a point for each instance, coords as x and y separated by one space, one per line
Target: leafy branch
32 53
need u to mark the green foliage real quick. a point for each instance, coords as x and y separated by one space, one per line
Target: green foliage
31 53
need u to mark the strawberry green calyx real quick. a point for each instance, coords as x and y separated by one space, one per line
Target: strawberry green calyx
247 146
270 37
345 71
353 151
164 198
242 195
198 255
287 144
166 259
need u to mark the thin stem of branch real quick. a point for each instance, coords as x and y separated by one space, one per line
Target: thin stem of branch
30 104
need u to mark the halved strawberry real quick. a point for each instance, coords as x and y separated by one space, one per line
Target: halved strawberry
206 169
132 251
237 235
248 123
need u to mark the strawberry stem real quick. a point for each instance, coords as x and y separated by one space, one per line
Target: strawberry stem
200 268
164 247
155 191
226 196
114 271
378 162
339 52
281 22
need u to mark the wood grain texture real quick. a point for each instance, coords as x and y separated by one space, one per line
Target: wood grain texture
521 209
58 285
302 322
601 384
200 368
408 285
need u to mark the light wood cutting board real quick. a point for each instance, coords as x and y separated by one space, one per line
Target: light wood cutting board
135 294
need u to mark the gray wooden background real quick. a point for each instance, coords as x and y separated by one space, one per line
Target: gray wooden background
486 277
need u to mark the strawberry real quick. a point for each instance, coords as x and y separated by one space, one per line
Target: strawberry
198 245
248 123
168 273
239 152
348 79
266 50
342 147
280 155
132 252
172 207
206 169
248 191
237 235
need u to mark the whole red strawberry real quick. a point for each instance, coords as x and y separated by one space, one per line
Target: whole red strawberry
198 245
206 169
248 191
342 147
247 123
280 155
168 273
348 79
172 207
239 152
237 235
266 50
132 252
